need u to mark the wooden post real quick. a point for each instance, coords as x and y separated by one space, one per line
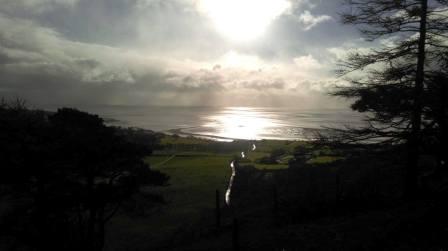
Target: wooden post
235 239
218 209
338 187
275 197
338 193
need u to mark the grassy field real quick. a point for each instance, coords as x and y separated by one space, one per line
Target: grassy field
196 171
195 174
193 178
197 167
190 194
197 146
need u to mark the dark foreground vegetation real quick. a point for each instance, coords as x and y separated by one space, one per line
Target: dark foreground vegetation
64 175
71 183
332 196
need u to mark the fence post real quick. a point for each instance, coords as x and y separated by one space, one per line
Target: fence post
275 194
217 209
338 187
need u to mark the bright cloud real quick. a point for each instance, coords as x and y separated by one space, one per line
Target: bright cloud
308 20
167 52
307 62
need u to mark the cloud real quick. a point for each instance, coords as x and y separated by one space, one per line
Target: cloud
307 62
201 80
160 52
32 48
301 4
35 6
234 59
319 86
308 20
263 85
39 62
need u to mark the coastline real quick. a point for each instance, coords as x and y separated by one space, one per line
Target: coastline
181 133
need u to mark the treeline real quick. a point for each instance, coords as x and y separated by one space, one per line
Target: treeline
64 175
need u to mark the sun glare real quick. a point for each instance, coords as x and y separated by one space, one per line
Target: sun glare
243 20
240 123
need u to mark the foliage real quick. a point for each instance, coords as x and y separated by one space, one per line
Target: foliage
395 83
72 170
273 156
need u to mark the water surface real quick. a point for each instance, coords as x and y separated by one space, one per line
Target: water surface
227 122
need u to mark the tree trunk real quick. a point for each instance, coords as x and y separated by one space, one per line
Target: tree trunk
416 119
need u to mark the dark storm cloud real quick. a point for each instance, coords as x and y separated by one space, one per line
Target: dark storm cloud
5 59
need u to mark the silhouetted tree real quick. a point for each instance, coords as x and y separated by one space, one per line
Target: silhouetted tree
393 85
72 171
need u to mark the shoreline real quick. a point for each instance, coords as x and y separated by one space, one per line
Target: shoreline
181 133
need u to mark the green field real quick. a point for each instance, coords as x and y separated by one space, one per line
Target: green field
191 192
193 178
195 175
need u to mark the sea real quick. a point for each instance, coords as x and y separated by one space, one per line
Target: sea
227 123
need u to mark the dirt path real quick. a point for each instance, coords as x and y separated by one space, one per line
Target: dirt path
165 161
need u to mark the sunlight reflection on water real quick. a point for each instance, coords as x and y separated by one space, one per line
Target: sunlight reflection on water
227 123
241 123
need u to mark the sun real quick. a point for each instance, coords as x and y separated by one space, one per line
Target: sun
242 20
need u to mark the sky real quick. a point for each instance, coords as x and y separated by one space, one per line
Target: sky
173 52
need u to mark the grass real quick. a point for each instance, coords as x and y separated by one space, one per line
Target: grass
269 145
324 159
193 181
196 173
188 146
177 140
194 177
